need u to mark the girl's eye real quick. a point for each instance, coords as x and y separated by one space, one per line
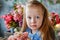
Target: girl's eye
29 17
37 17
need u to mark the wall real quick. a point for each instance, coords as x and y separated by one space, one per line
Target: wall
4 9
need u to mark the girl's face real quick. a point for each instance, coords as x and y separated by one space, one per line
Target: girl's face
34 17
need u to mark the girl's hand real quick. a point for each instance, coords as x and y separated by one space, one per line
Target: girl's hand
19 36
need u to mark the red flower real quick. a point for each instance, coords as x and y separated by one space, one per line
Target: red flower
57 19
7 26
14 18
4 16
23 36
17 17
52 14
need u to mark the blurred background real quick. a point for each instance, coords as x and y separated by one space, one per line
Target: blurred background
6 6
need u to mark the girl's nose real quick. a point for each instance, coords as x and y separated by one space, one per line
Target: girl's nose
33 20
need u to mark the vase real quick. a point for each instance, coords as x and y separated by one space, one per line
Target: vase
17 29
12 30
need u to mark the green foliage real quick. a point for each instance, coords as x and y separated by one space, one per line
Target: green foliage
14 24
6 0
50 2
58 1
14 7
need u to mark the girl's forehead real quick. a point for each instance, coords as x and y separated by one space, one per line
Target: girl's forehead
34 10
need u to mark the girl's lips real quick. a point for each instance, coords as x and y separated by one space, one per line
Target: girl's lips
34 25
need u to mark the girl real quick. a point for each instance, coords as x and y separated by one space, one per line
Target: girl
36 22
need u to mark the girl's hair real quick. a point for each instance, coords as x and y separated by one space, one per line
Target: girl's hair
46 28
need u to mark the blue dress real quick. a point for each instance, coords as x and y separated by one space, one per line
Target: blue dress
35 36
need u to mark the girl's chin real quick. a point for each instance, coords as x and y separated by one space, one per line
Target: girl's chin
33 28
